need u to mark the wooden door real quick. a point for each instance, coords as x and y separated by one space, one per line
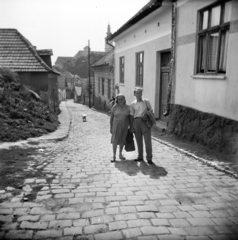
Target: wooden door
164 80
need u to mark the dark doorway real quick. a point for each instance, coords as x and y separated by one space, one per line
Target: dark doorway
164 80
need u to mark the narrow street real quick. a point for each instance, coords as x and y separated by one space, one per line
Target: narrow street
84 196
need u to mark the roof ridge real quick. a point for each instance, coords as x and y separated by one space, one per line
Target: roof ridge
143 12
34 52
104 56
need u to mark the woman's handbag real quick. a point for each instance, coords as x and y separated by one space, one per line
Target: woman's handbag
130 146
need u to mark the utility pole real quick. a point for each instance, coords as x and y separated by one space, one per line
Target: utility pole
89 82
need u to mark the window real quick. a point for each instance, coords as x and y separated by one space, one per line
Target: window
108 88
139 69
102 86
213 36
122 69
98 85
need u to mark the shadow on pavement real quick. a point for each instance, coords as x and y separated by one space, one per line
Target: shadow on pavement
226 161
133 168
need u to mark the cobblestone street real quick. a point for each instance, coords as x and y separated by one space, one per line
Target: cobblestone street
85 196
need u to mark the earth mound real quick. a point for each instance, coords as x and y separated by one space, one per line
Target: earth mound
22 113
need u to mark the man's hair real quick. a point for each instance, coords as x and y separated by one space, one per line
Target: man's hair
138 89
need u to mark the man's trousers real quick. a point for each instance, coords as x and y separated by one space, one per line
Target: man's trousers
141 130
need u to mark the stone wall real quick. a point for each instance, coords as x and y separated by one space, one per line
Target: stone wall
213 131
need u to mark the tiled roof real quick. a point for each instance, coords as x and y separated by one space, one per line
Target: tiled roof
105 60
151 6
18 54
47 52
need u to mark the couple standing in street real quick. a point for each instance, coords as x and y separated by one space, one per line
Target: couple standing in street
133 116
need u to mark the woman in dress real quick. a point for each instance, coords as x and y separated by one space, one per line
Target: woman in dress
119 123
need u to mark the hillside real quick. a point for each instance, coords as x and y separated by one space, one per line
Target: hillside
22 114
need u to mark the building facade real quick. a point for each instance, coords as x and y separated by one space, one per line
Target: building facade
183 53
103 83
204 104
142 54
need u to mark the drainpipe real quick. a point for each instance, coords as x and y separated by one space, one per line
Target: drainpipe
107 41
171 84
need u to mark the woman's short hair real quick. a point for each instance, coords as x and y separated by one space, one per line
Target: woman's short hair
120 95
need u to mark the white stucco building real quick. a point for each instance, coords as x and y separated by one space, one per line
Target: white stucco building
184 54
207 56
142 54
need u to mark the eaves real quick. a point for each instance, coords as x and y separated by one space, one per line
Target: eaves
144 12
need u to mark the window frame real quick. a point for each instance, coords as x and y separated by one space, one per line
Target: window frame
103 90
139 65
122 66
99 85
108 88
221 28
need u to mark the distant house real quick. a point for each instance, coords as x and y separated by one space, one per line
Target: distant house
77 80
84 53
61 60
33 66
66 83
69 79
77 94
86 88
61 87
104 86
61 94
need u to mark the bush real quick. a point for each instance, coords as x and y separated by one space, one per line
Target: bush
7 76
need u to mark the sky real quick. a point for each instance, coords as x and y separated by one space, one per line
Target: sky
66 26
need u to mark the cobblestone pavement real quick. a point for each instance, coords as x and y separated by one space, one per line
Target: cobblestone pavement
84 196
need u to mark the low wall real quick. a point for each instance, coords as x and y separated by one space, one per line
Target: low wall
213 131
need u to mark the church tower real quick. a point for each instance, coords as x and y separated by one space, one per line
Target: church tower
108 47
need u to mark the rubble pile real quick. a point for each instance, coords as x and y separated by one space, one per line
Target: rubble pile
22 113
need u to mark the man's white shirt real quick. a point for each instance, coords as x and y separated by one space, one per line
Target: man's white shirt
138 109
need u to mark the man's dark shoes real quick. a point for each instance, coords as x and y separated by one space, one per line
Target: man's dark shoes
150 162
139 160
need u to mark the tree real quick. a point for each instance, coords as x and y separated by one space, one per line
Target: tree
80 65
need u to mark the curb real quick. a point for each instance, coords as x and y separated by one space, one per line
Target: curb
65 119
204 161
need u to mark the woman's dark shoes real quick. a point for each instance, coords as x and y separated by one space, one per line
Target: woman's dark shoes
150 162
113 159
